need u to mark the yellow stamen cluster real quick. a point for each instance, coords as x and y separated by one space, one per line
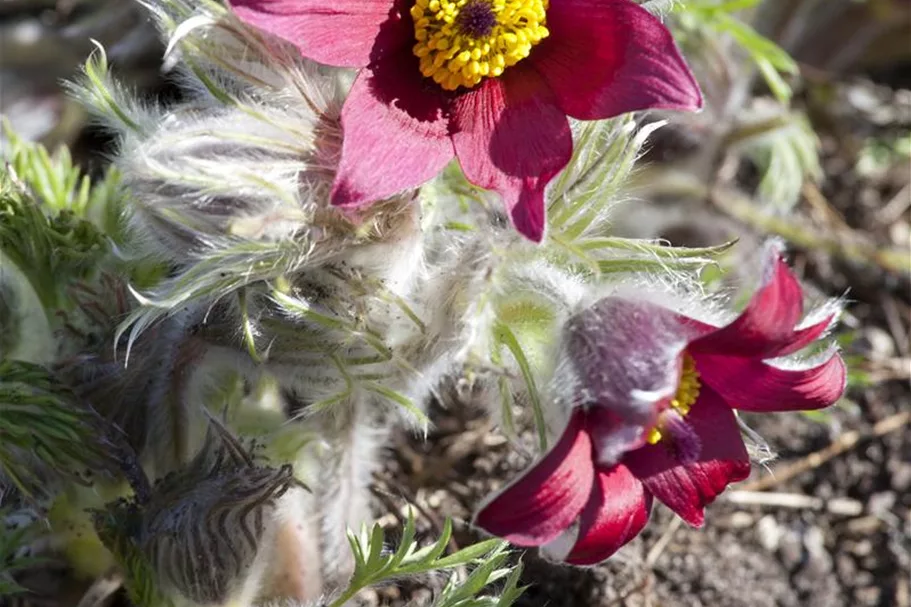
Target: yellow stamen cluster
457 47
687 393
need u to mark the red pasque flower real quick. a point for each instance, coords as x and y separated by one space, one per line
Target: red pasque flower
490 82
657 421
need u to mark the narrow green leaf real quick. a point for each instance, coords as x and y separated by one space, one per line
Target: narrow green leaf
508 338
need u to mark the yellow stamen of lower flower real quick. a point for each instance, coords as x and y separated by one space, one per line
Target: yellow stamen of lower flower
687 393
460 42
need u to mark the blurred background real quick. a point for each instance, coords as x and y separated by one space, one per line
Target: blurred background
806 136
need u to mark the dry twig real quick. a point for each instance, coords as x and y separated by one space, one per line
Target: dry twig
843 443
837 506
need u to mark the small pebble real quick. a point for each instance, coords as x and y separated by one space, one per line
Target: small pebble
881 503
791 549
768 533
435 500
868 596
864 525
845 567
900 233
815 541
421 596
862 548
863 578
901 476
741 520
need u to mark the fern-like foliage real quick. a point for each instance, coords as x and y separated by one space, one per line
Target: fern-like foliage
59 185
707 18
784 148
778 140
376 565
45 432
50 250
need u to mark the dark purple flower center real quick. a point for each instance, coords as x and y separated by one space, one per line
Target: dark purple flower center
476 19
684 442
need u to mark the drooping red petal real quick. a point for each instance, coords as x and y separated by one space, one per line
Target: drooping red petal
334 32
608 57
396 132
616 512
803 337
753 385
511 137
548 497
723 459
765 329
627 356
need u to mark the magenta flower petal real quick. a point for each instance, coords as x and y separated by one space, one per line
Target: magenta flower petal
334 32
765 329
687 489
544 501
616 512
396 133
607 57
754 385
801 338
511 137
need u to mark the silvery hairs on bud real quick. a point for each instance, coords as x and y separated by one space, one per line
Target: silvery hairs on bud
230 186
207 523
593 349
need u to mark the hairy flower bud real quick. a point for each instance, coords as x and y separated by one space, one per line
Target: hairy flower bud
205 524
624 353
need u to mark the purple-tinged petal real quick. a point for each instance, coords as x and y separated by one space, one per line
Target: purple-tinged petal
682 437
334 32
765 329
510 137
687 489
627 356
396 133
547 498
608 57
616 512
613 435
753 385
